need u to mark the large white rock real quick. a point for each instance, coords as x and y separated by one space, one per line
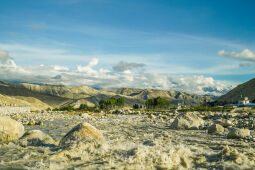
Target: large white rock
10 129
188 120
83 131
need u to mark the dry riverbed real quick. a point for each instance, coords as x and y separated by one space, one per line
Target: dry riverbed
136 141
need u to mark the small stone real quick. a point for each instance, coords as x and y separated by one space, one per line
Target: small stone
151 116
148 143
215 129
226 123
31 122
40 123
235 133
164 116
85 115
238 160
25 122
201 160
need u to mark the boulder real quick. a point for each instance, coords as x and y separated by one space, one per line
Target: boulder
37 138
85 115
188 120
151 116
40 123
226 123
235 133
10 129
215 129
83 131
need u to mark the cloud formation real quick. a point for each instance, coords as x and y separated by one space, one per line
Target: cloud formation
246 54
3 56
5 60
124 74
123 66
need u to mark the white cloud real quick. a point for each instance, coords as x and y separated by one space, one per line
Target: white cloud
128 75
136 62
60 68
93 62
199 85
246 54
88 69
123 66
106 79
6 61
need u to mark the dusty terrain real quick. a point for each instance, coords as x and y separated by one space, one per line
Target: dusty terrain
133 141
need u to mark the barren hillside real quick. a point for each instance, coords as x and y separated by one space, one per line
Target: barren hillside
60 95
246 89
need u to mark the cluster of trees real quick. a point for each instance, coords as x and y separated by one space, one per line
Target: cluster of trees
111 103
137 106
65 108
83 107
218 103
157 103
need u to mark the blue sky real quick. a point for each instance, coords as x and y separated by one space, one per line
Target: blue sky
181 38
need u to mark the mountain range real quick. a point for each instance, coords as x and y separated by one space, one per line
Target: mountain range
42 96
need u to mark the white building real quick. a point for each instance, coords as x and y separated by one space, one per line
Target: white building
245 101
12 109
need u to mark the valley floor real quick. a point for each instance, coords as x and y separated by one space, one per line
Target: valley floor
132 142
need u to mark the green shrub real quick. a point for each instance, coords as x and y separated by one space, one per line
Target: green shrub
157 103
111 103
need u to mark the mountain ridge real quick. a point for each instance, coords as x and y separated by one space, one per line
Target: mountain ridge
61 95
246 89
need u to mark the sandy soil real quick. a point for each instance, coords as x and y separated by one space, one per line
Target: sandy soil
132 142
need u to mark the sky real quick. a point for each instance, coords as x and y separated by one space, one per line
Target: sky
197 46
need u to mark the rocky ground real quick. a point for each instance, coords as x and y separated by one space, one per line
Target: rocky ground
152 140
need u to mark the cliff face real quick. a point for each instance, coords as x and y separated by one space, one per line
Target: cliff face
246 89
